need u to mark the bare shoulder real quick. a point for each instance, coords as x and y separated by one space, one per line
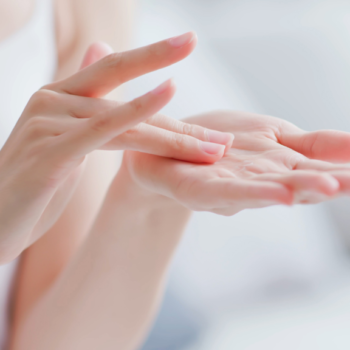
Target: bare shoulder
13 15
82 22
92 18
79 23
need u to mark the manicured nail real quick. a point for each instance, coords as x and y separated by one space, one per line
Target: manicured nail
223 138
182 40
212 148
161 88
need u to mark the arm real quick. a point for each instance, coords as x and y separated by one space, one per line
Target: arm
78 24
107 296
159 135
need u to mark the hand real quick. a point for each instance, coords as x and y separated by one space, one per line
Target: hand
271 162
65 121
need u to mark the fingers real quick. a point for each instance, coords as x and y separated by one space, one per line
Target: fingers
167 137
200 133
305 181
105 75
190 185
95 52
329 145
242 194
149 139
341 172
100 129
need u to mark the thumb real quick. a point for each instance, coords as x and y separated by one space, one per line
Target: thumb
95 52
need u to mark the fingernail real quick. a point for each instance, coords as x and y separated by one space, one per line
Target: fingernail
161 88
212 148
333 186
223 138
182 40
104 46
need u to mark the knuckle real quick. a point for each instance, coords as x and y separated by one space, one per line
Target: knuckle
42 99
100 123
46 87
178 142
35 127
187 129
136 105
114 61
133 132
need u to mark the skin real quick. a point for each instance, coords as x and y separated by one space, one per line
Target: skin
13 16
65 121
47 202
108 295
139 191
271 161
78 24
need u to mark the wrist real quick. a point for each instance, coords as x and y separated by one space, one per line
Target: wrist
130 208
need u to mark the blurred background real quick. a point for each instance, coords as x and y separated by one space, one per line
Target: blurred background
277 278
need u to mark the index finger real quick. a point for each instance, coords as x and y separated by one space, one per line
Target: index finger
113 70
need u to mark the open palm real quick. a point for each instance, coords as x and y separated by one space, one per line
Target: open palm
271 162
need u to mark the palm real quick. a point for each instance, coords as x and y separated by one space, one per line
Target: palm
262 168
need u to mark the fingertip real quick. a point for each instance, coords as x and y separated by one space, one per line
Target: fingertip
182 46
183 40
325 184
287 197
212 149
95 52
172 86
102 48
331 186
222 138
194 41
167 86
228 145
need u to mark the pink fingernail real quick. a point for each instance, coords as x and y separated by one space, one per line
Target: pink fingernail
212 148
163 87
223 138
182 40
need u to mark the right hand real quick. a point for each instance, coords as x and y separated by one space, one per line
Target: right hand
271 162
66 120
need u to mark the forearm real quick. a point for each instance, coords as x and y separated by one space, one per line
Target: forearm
78 24
108 295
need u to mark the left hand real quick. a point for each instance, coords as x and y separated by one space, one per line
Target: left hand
66 120
271 162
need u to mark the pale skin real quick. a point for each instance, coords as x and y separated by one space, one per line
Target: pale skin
65 121
117 276
108 295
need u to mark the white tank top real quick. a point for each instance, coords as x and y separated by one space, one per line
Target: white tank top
27 62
